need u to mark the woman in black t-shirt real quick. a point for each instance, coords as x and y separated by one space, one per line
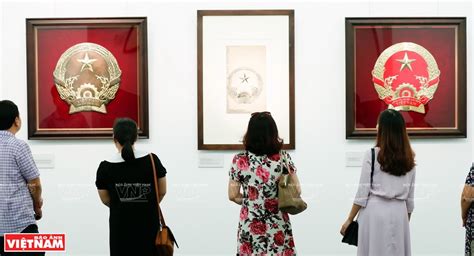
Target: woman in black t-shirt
125 184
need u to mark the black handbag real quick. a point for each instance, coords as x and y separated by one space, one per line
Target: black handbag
352 232
351 235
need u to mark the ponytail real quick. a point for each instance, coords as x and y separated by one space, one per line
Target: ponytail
125 133
127 152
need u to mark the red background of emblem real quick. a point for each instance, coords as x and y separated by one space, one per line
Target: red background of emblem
53 113
371 41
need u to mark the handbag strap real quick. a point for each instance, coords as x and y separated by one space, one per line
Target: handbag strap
372 170
284 163
160 214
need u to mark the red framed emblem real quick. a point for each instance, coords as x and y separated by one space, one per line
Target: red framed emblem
414 65
83 73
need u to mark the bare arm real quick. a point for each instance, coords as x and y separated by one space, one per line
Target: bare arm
162 187
34 186
354 210
234 192
363 192
104 197
467 197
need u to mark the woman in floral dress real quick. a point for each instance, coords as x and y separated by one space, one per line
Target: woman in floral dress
263 228
467 212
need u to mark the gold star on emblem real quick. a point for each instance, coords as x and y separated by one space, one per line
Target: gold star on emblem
86 63
406 62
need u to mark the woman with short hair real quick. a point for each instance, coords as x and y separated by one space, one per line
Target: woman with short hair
384 201
263 229
126 185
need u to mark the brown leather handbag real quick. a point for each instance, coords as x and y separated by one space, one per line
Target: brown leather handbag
289 200
165 240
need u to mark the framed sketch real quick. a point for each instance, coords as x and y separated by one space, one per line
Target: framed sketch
245 65
414 65
83 73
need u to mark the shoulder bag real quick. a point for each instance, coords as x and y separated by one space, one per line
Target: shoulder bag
165 240
289 200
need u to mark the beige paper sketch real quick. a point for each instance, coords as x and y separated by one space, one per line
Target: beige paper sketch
246 65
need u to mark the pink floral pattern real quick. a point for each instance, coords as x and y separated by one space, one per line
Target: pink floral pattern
263 228
243 163
244 213
263 174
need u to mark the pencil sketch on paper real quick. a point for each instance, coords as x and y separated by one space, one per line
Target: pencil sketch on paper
246 65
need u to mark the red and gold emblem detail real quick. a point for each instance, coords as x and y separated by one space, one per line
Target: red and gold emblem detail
406 77
87 77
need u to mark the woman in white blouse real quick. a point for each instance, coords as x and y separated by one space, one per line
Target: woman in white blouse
385 200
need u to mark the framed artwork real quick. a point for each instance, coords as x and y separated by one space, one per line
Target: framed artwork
245 65
414 65
83 73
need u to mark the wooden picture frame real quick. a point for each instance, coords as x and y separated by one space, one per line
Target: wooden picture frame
254 48
83 73
414 65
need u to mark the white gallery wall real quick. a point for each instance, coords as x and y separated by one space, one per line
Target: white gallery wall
196 206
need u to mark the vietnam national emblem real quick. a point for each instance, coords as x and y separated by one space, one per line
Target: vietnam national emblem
406 77
87 77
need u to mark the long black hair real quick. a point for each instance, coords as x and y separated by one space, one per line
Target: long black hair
396 155
125 133
262 135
